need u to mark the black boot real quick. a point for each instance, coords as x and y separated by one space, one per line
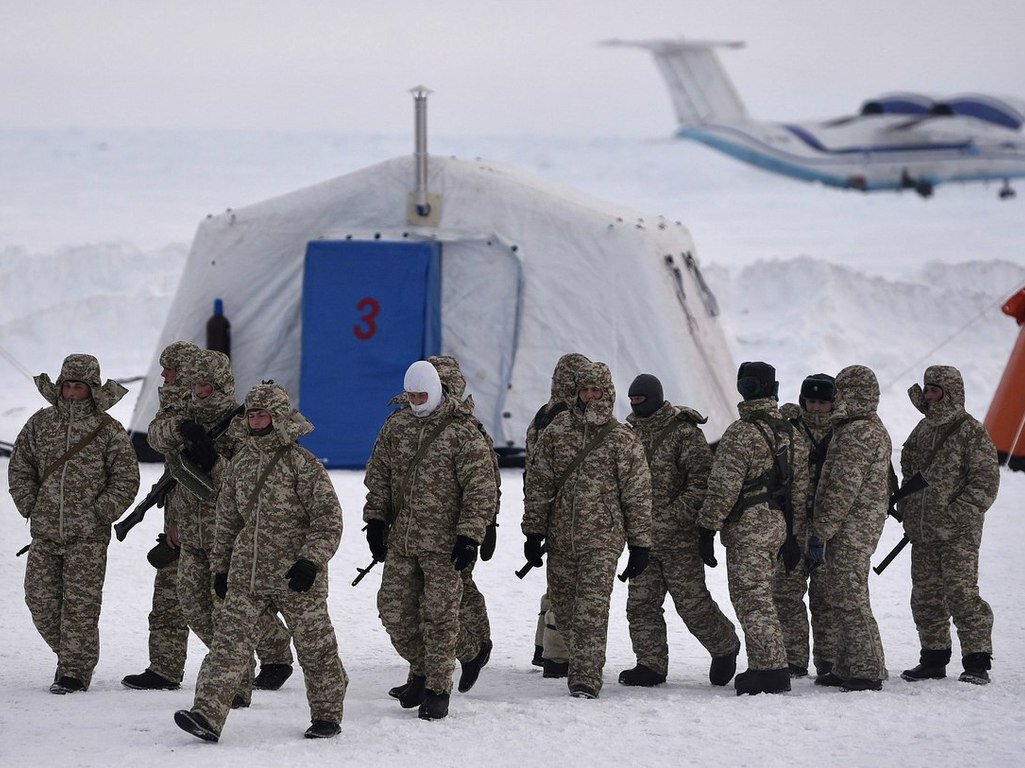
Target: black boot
823 667
861 684
797 671
239 702
538 660
472 668
828 680
272 676
932 666
756 681
396 692
555 669
582 691
67 684
416 691
723 668
434 705
641 675
196 724
976 668
149 681
323 729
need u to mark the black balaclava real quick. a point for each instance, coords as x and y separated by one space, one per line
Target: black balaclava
651 388
818 386
756 380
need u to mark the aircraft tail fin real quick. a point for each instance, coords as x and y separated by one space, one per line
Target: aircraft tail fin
701 90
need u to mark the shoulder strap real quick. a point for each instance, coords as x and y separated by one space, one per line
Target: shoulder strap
579 459
931 456
73 450
407 481
664 433
278 454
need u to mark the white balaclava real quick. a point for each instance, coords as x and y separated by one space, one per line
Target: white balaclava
421 376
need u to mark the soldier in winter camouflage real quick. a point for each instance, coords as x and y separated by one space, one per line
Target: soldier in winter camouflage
810 418
679 459
550 651
851 502
746 498
208 377
944 523
589 493
278 524
431 495
72 474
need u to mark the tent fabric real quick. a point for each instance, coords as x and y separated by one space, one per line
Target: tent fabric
530 270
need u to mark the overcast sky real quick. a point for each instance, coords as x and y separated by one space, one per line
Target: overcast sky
512 67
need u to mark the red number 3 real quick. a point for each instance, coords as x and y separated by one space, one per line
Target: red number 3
370 309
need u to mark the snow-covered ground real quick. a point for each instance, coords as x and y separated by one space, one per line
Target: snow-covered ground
94 228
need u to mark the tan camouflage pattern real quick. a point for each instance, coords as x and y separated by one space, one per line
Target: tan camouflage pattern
603 505
315 645
788 590
70 512
679 474
552 642
168 629
850 508
752 543
296 515
944 522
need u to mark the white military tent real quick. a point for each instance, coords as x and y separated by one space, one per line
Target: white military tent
332 292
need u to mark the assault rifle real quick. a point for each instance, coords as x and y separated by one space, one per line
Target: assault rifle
166 482
916 483
364 571
6 448
528 565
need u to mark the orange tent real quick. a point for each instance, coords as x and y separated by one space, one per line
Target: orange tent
1005 420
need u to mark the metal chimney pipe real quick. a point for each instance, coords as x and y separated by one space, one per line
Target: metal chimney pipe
420 94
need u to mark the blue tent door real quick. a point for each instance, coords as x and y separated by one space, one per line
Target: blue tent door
370 309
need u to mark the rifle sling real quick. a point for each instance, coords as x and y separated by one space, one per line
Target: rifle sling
73 450
607 428
266 473
407 481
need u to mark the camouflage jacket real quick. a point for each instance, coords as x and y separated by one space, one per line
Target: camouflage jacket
295 516
564 396
963 474
93 488
744 455
854 488
679 468
815 431
606 501
451 491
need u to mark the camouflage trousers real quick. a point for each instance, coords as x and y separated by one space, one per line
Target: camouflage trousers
859 649
239 626
547 634
752 544
580 588
788 592
64 592
474 626
681 574
202 609
168 630
418 602
945 585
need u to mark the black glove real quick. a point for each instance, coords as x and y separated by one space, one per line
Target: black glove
221 585
706 546
163 554
464 553
377 532
301 575
487 547
199 447
816 553
532 549
636 564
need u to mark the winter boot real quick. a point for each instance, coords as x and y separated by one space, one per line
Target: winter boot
322 729
272 676
756 681
416 691
582 691
976 668
538 660
797 671
434 706
239 702
823 667
861 684
396 692
828 680
472 668
932 666
67 684
555 669
642 676
194 723
149 681
723 668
